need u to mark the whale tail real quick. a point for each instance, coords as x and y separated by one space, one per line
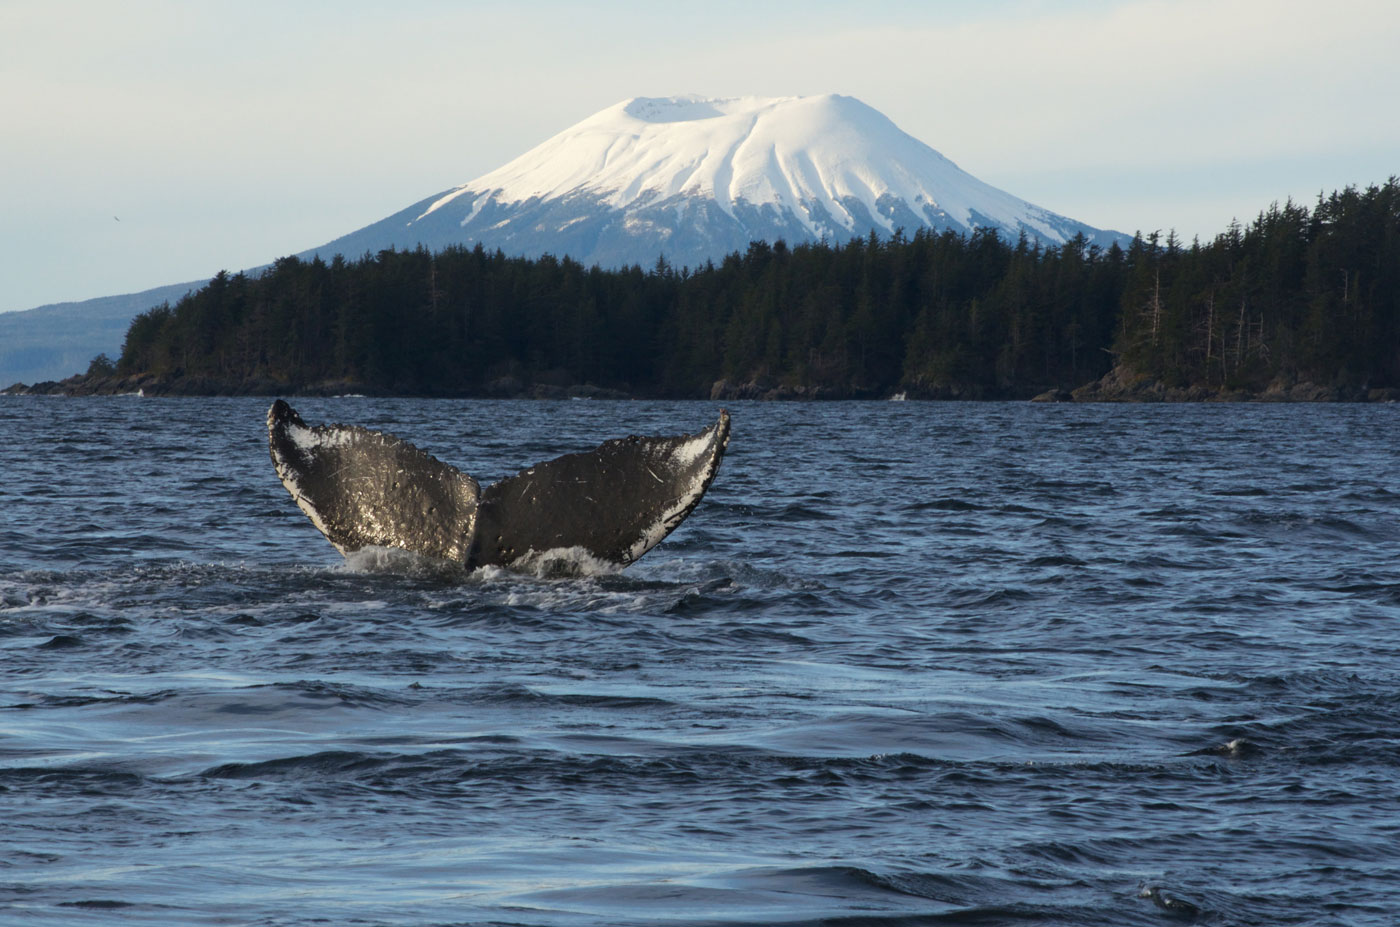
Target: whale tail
364 488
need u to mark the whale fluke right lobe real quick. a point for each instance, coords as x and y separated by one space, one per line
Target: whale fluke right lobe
615 502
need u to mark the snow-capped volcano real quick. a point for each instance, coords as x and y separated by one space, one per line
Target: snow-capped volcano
694 179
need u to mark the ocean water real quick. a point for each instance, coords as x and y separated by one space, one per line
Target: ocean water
908 663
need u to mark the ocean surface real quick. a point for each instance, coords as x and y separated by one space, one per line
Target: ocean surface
907 663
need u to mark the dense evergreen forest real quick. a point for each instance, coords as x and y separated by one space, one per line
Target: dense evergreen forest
1297 295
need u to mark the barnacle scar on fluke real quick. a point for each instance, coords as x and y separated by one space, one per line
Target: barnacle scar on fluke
364 488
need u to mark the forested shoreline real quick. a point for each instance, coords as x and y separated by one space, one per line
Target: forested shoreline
1301 303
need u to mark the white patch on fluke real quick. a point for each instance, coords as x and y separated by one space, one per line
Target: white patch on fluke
312 439
308 440
692 450
289 480
688 455
671 517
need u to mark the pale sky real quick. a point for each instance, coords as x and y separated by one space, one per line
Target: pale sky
144 143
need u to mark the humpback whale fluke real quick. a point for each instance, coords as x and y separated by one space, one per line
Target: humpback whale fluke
364 488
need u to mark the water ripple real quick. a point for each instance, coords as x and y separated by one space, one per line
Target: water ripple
909 663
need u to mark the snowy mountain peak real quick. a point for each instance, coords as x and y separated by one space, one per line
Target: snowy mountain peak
696 177
802 154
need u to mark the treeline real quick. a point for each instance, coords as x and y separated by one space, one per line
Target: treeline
1299 294
1312 295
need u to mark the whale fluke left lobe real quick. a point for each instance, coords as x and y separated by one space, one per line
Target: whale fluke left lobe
363 488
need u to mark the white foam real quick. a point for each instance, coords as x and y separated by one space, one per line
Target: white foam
563 561
376 559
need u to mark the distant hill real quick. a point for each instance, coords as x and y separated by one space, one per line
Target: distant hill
55 341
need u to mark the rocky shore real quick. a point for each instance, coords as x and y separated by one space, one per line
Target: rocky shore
1118 385
1121 385
153 385
769 388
